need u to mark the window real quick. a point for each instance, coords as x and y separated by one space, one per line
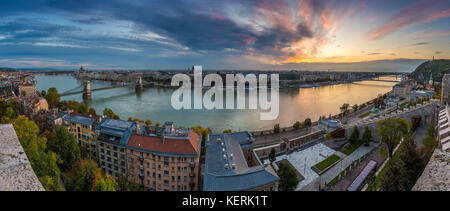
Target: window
185 178
148 173
166 173
166 183
148 164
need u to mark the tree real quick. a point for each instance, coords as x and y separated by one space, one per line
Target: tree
148 122
296 125
84 174
354 137
127 185
391 131
227 131
288 177
395 177
52 97
355 107
412 160
204 132
344 108
367 136
63 143
110 114
276 128
9 108
44 164
307 122
272 155
106 183
92 112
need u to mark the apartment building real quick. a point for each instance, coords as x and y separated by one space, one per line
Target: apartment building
169 161
112 138
26 89
83 128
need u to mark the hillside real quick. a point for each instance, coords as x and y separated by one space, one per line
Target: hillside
438 69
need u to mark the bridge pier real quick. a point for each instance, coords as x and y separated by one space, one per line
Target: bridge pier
87 93
139 83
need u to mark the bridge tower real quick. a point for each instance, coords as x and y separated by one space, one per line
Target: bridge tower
139 83
87 93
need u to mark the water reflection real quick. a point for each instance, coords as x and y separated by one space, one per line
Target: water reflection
155 103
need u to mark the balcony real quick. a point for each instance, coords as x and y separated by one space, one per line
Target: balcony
141 167
192 174
141 175
192 164
141 158
93 143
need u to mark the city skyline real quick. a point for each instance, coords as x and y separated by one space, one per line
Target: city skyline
265 35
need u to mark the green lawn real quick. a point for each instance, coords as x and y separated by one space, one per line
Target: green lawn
364 115
351 148
327 162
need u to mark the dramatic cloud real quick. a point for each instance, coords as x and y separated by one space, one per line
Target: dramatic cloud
223 34
420 12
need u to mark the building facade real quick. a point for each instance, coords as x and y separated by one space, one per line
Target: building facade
445 92
26 89
166 162
83 128
112 138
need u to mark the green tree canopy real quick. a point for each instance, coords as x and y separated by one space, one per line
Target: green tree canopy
44 164
367 136
63 143
392 131
52 97
288 177
296 125
307 122
83 176
354 137
110 114
106 183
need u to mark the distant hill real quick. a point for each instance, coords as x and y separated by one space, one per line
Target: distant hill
437 67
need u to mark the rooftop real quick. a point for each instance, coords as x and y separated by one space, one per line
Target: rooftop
117 128
16 173
79 120
226 168
188 146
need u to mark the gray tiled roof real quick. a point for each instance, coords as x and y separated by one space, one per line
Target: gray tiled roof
219 178
79 120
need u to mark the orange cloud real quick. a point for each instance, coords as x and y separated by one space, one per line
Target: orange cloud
417 13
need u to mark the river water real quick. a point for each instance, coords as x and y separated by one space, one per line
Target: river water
155 103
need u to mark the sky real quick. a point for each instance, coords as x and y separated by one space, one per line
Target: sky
357 35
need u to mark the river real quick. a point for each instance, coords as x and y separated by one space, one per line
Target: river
155 103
